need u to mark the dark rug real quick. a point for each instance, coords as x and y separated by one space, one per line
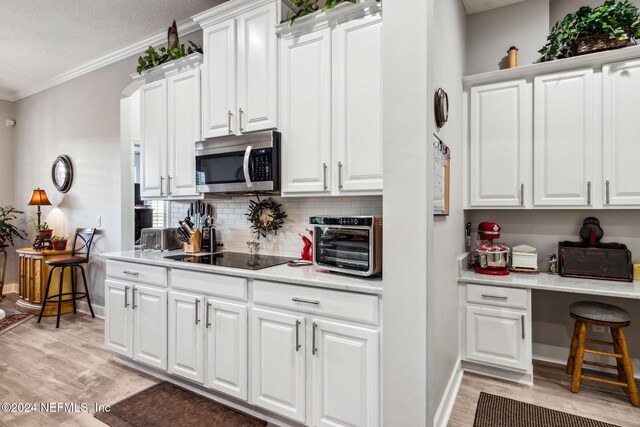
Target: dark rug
497 411
13 320
165 404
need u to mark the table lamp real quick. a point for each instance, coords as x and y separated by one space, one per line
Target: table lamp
39 198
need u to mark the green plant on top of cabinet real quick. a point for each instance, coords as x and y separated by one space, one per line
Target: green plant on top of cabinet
331 107
240 72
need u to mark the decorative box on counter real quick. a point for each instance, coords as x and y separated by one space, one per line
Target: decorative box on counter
605 261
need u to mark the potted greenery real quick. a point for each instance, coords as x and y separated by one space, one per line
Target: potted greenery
42 230
307 7
59 243
609 26
8 231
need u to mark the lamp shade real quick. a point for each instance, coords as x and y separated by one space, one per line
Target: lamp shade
39 198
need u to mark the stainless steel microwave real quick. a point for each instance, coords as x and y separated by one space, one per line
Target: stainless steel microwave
351 245
239 164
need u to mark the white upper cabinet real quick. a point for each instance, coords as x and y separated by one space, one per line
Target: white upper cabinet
500 145
184 131
258 69
240 73
564 139
621 130
153 138
357 112
305 90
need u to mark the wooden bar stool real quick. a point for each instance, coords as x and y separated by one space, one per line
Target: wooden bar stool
614 318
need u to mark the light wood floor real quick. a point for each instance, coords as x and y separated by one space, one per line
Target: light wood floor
551 390
39 363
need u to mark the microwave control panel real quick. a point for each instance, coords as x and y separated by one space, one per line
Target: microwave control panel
262 168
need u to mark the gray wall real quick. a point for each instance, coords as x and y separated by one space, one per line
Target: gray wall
448 59
491 33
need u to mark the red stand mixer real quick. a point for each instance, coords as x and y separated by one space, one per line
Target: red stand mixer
492 258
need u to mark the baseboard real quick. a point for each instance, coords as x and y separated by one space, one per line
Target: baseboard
449 397
83 307
210 394
559 355
10 288
524 377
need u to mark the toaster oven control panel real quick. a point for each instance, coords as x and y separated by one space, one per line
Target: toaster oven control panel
349 221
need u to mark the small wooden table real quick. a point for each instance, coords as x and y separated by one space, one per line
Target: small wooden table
33 276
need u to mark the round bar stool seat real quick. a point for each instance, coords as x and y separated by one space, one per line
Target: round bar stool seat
67 260
616 319
599 312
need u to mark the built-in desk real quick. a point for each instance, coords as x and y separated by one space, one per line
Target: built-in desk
495 316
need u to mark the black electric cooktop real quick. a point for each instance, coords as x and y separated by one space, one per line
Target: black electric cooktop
233 260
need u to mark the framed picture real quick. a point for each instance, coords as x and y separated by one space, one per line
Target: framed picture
441 177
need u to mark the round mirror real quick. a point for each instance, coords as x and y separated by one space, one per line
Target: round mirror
62 173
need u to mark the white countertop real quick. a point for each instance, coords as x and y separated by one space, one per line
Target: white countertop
305 275
554 282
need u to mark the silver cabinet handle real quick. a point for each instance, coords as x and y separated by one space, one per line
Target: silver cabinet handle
206 315
521 194
126 296
607 185
522 325
229 122
306 301
133 297
197 307
494 297
589 193
162 185
314 347
170 185
298 335
240 114
324 176
131 273
340 175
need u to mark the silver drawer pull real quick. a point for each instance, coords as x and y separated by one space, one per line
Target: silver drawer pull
306 301
494 297
132 273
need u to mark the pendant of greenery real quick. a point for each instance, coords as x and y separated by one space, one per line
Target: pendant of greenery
8 231
265 216
153 59
307 7
619 20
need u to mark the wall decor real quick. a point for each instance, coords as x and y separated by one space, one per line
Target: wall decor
441 177
307 7
441 107
62 173
265 216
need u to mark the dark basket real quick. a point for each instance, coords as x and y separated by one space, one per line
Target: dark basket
599 43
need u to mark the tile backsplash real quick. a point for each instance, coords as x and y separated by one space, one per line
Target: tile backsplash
232 227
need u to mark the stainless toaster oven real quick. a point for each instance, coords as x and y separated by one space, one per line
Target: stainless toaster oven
351 245
159 239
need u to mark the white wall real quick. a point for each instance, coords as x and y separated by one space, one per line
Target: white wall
558 9
491 33
448 58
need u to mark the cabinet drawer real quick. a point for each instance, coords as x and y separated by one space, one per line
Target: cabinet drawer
135 272
325 302
210 284
499 296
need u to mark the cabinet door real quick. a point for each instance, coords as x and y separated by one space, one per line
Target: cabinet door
621 127
226 366
184 130
149 307
345 377
257 69
306 113
498 337
278 362
563 139
219 80
118 321
153 138
500 153
186 336
357 112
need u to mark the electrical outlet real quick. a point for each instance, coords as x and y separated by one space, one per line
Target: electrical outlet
599 329
98 221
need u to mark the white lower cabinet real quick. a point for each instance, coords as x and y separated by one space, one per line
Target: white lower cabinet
136 322
186 336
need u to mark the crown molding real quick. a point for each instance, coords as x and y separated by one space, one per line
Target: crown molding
7 97
185 27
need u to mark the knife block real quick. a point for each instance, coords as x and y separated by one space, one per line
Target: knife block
195 243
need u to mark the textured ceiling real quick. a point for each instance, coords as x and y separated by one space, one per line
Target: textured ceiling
475 6
42 39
